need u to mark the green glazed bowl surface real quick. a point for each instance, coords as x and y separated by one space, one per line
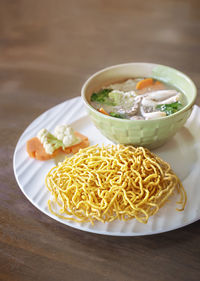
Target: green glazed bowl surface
147 133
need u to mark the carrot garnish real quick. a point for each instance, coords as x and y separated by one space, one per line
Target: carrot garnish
36 149
103 111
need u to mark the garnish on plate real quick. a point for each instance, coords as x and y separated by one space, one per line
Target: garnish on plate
46 145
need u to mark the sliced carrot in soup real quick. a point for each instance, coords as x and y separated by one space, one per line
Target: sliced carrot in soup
158 83
103 111
158 86
147 82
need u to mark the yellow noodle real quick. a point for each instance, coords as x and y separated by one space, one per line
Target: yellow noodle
112 182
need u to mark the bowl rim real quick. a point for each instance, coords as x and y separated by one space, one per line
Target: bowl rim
185 108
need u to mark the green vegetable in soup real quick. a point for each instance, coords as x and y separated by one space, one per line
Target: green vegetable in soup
122 98
117 115
116 97
102 97
170 108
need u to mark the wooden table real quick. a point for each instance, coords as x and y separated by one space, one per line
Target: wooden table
47 50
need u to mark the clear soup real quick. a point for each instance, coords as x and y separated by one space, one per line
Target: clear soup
138 99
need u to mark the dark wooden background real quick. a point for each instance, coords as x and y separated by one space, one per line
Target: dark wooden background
47 50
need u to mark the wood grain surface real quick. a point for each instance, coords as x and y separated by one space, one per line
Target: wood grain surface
47 50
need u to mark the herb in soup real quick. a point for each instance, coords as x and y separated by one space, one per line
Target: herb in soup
102 96
117 115
138 99
170 108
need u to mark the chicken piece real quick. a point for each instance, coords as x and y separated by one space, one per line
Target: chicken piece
152 99
147 102
162 95
171 100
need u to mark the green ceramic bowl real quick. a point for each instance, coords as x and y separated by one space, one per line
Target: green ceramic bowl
147 133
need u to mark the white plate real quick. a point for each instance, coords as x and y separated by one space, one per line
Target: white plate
182 152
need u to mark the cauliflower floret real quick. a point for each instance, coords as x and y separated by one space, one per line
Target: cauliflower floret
66 134
120 97
60 131
69 140
48 147
44 136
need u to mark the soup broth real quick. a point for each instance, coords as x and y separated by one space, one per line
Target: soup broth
138 99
